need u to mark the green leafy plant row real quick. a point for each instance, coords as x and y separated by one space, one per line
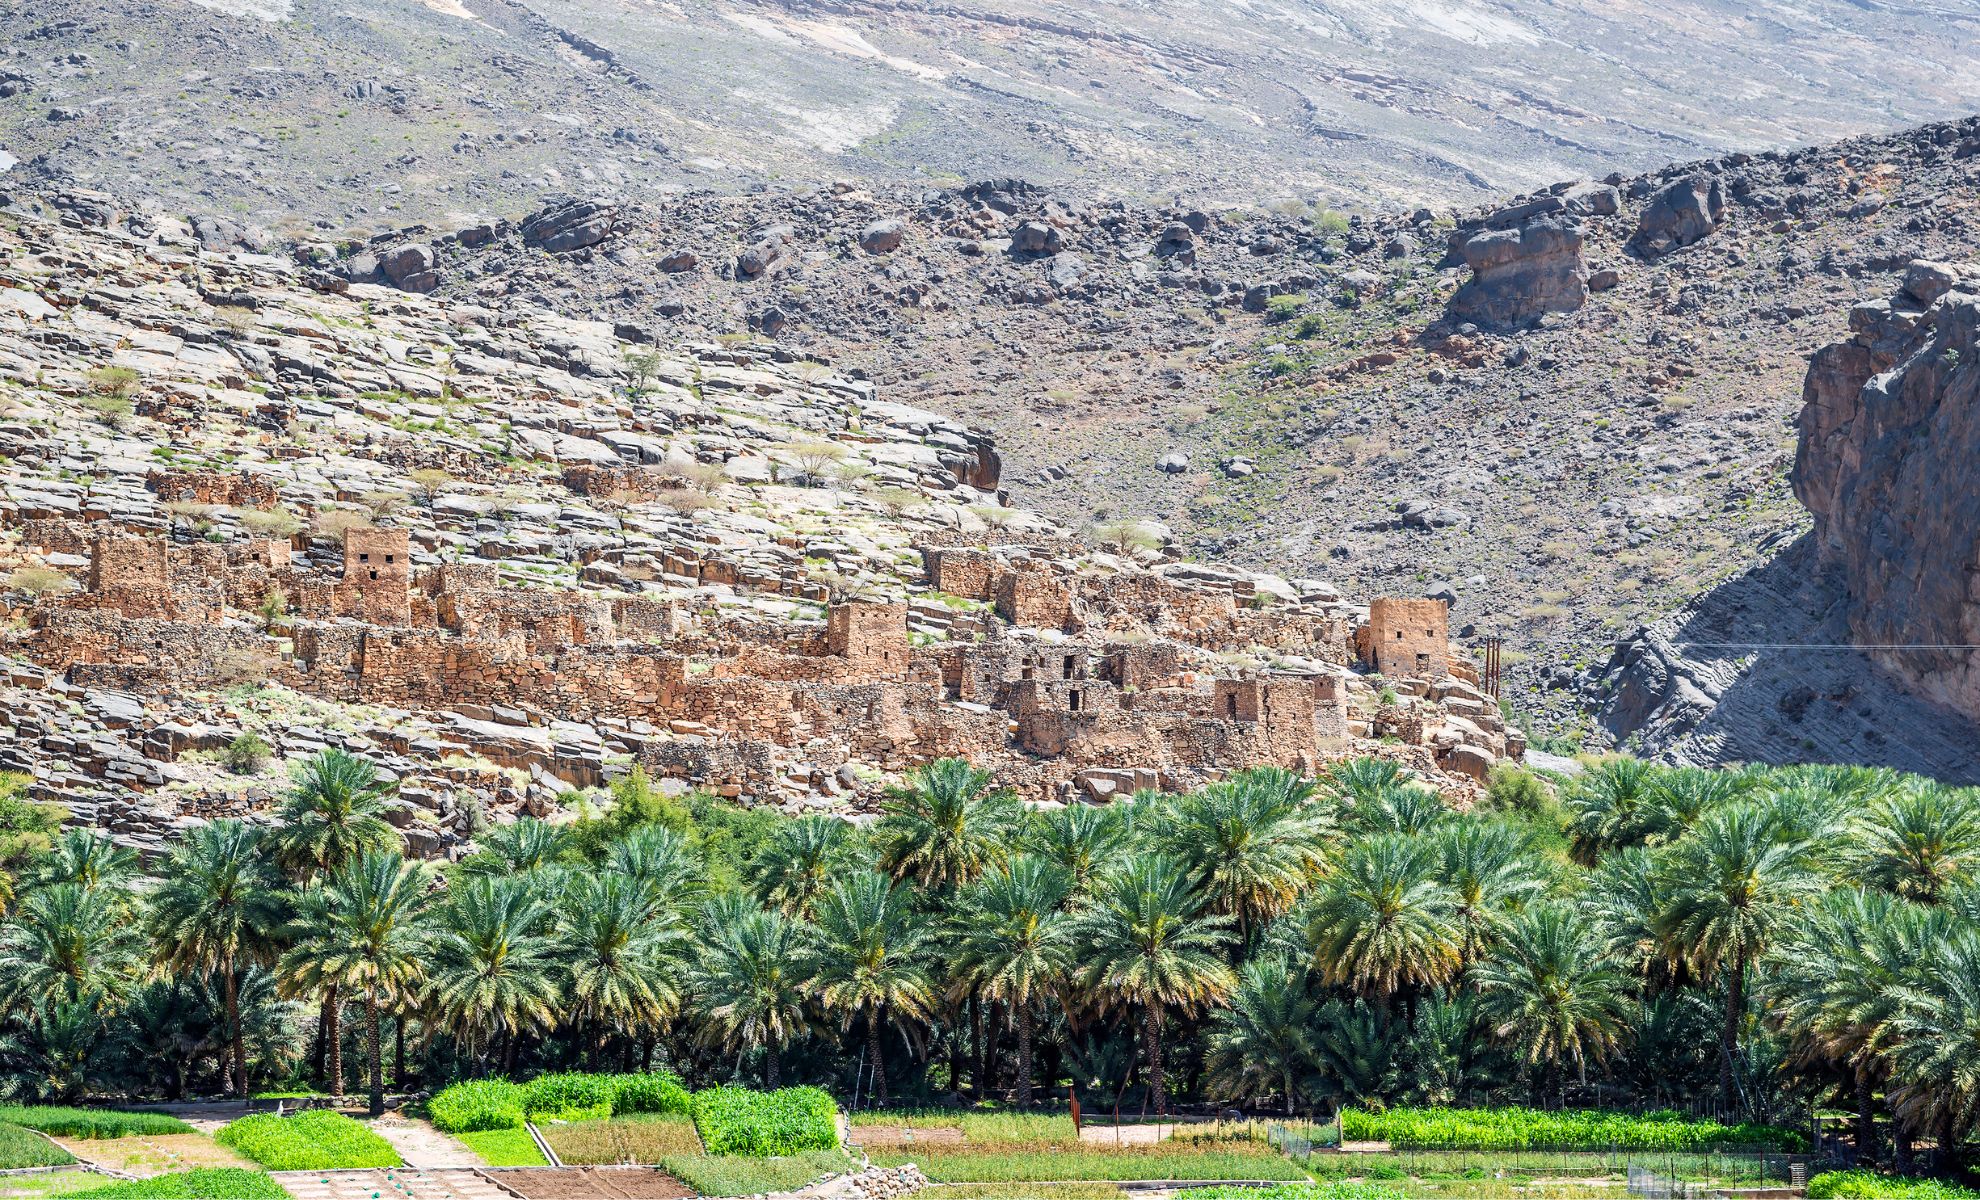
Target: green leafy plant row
19 1148
1568 1129
317 1140
1868 1185
735 1120
483 1104
477 1105
57 1121
1180 1160
205 1183
505 1147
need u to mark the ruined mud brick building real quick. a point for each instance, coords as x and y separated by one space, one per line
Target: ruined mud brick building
1070 683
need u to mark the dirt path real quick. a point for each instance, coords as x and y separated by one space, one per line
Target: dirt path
421 1145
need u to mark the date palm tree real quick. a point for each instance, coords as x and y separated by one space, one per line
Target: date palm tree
1383 922
1734 883
68 944
1264 1041
522 847
1251 843
85 858
946 825
217 911
620 949
361 931
1015 945
1606 807
865 960
1148 944
659 862
1840 972
1547 991
494 972
331 815
1918 840
1491 871
1933 1041
750 975
1085 840
802 860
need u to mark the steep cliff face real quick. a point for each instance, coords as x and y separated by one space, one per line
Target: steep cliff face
1889 467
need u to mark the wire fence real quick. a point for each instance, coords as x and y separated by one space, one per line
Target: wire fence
1703 1173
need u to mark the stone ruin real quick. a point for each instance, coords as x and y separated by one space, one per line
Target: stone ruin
1072 684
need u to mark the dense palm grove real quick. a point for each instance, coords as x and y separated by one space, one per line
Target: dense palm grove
1749 942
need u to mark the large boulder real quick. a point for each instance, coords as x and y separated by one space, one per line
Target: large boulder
1678 215
570 225
409 266
1524 262
882 237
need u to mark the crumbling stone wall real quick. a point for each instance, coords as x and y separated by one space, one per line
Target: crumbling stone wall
220 488
871 636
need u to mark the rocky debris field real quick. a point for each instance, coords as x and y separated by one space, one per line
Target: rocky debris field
223 402
273 116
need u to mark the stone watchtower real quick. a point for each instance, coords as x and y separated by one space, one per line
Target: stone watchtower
1407 638
871 635
377 576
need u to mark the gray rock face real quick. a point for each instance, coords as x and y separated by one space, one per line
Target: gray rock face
570 225
1534 266
1889 465
1679 214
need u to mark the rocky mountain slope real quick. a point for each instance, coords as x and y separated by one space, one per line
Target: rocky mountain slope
1571 445
278 114
249 509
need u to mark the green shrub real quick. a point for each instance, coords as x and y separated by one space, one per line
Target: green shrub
477 1105
58 1121
734 1120
653 1092
580 1095
1867 1185
569 1095
1569 1129
645 1138
204 1183
19 1148
504 1147
247 754
317 1140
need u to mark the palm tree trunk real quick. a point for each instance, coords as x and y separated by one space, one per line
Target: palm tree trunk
1151 1024
239 1040
1024 1056
399 1051
335 1035
873 1046
770 1064
1289 1094
373 1043
979 1079
1729 1037
1866 1119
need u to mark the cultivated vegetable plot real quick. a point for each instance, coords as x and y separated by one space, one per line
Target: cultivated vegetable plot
735 1120
1570 1129
205 1183
58 1121
317 1140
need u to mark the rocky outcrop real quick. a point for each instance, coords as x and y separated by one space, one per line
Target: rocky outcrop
570 225
1889 465
1679 214
1524 261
